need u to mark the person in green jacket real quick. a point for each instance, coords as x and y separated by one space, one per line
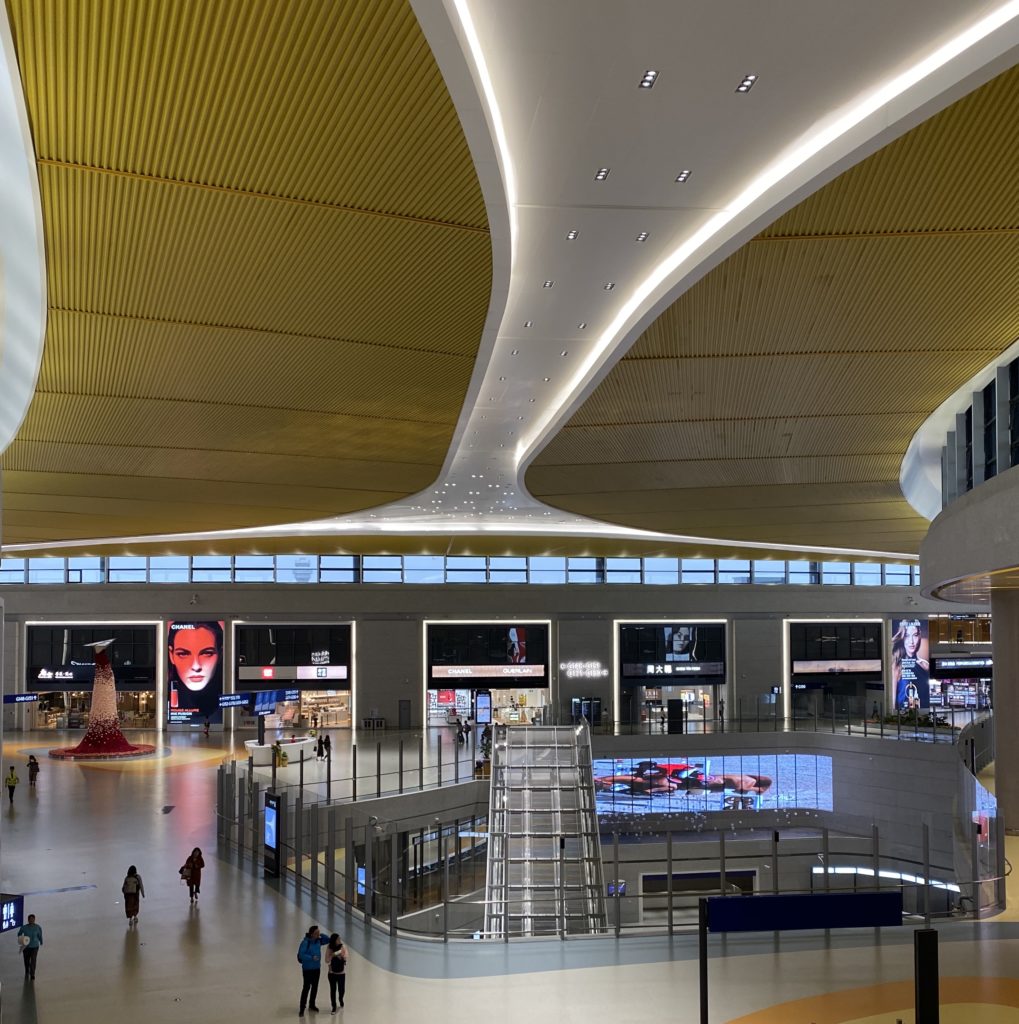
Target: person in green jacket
11 781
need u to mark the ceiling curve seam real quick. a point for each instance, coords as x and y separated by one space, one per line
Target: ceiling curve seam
22 254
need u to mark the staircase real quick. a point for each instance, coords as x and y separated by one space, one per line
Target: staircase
544 854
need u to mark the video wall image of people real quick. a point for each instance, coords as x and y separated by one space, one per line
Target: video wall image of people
911 664
741 782
194 654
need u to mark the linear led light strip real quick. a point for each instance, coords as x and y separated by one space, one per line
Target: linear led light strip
760 185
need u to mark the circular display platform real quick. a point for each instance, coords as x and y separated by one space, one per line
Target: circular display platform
74 754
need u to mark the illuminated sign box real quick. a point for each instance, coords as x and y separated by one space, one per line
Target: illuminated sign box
488 671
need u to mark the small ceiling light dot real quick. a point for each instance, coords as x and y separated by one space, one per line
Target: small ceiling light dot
603 173
502 378
609 285
683 175
531 400
515 352
548 284
546 379
648 81
643 236
571 236
528 323
565 352
581 325
520 417
747 84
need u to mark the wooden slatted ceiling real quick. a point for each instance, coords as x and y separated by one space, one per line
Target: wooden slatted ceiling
268 264
774 400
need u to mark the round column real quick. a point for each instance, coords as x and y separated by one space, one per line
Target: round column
1005 637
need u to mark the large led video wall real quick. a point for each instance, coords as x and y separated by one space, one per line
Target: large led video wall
58 658
311 656
509 654
194 666
734 782
835 648
671 651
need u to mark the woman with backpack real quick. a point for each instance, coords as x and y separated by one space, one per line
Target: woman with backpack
191 872
336 966
133 890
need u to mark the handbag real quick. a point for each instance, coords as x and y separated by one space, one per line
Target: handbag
23 941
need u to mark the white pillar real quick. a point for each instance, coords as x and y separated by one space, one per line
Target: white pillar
1005 636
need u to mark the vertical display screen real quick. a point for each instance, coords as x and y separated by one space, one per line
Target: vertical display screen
270 826
483 708
911 663
194 671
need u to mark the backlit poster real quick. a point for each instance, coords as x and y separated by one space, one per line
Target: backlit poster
911 663
194 671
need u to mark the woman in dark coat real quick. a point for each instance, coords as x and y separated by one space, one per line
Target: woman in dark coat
192 873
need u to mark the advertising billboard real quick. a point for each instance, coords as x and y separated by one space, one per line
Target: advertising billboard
665 650
194 671
502 655
911 663
314 656
677 784
58 658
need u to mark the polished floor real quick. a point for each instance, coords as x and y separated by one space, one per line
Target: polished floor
232 958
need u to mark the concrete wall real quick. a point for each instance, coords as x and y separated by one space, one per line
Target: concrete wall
388 621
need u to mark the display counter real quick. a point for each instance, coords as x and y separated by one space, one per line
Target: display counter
261 753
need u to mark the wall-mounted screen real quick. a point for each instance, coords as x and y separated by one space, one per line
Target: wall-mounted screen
671 650
911 669
962 666
194 655
677 784
500 655
313 656
57 658
483 708
960 693
835 648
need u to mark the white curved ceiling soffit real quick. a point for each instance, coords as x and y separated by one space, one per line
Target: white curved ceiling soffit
22 261
549 94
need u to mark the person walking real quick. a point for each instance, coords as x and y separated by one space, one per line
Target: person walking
329 747
33 770
134 891
11 782
459 732
191 872
32 934
320 748
309 955
336 970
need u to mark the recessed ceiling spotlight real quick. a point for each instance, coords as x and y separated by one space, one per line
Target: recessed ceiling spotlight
565 352
546 379
531 400
747 84
571 236
502 378
515 352
643 236
603 173
520 417
609 285
648 81
528 323
548 284
682 176
581 325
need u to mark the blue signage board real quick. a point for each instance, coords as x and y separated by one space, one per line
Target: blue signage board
20 698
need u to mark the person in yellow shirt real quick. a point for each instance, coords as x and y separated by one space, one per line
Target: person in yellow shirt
10 782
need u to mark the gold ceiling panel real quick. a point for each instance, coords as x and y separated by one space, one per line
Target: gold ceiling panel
268 264
773 402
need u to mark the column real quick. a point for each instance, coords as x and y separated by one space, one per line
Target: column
1005 636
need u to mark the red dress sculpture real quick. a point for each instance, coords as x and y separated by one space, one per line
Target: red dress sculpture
103 738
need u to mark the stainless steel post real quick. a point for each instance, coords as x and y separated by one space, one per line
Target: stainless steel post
440 757
723 882
421 762
975 858
369 873
926 877
619 906
349 863
401 766
378 768
256 832
668 875
825 859
353 770
313 834
299 839
331 813
394 880
302 774
774 860
876 854
445 883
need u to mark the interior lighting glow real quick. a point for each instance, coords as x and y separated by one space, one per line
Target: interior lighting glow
548 284
609 285
581 325
649 79
683 175
571 236
642 237
747 84
603 173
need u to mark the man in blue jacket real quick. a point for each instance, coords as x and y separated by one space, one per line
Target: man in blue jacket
309 954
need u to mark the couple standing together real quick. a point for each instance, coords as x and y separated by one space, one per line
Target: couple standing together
309 953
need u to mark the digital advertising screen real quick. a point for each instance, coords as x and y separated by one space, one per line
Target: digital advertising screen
501 655
665 651
483 708
960 693
194 671
58 658
911 669
733 782
271 839
836 647
312 656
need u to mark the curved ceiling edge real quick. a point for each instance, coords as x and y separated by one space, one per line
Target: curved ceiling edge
22 253
874 120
